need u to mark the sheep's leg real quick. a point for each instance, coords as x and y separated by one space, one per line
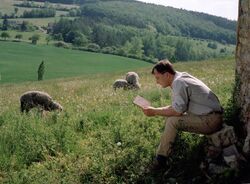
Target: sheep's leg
22 107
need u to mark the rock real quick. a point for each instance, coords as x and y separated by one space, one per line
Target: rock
223 138
232 161
246 147
216 169
213 152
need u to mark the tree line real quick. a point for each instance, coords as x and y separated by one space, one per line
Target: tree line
131 42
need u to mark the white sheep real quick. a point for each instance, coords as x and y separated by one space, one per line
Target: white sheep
38 99
120 83
133 80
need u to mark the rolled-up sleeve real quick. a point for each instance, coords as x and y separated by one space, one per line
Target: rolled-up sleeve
180 97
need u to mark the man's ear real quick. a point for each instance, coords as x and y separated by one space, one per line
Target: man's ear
167 75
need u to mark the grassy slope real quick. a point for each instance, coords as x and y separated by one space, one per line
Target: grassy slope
19 62
79 145
7 7
39 21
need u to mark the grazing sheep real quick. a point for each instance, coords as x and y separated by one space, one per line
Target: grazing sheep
133 80
120 83
38 99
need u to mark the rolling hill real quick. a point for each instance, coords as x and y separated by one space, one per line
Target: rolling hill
19 62
135 29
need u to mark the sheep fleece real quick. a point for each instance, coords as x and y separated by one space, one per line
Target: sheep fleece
31 99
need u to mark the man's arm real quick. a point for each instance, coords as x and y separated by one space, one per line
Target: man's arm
160 111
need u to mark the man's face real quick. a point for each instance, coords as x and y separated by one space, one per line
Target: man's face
162 79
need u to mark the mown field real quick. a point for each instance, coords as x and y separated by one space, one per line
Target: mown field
7 7
26 36
19 62
100 137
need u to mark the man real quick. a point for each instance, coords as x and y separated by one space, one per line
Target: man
194 108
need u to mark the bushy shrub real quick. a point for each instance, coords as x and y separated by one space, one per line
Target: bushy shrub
62 44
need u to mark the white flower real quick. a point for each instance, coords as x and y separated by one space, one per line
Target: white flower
118 143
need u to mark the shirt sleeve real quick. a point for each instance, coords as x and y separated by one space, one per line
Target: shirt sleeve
180 97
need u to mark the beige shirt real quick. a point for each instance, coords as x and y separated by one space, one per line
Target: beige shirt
191 95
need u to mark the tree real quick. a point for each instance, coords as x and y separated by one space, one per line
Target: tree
182 51
242 77
212 45
5 23
34 39
58 37
149 45
19 36
24 26
5 35
40 71
136 47
16 10
48 39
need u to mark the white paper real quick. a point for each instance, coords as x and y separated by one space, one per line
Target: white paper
141 102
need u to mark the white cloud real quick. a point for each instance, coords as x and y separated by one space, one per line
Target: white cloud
222 8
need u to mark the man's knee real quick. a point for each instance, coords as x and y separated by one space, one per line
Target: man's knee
172 121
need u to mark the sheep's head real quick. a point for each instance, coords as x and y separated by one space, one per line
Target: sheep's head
132 78
56 106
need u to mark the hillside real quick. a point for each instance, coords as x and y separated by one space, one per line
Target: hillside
19 62
140 30
131 29
165 20
100 137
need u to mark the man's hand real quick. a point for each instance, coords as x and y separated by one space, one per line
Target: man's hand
149 111
160 111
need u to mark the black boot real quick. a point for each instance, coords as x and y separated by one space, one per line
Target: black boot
158 164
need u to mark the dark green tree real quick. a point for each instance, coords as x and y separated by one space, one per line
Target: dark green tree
24 26
182 52
16 10
5 35
41 70
19 36
5 23
34 39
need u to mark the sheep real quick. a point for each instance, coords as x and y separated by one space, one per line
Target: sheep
133 80
38 99
120 83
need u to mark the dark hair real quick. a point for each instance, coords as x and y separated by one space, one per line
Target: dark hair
164 66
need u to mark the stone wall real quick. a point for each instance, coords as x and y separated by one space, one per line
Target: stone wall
243 63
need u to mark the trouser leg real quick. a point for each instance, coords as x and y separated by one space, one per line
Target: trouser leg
206 124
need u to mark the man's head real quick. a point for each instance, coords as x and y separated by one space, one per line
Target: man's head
164 73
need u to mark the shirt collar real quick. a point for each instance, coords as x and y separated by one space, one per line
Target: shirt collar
176 76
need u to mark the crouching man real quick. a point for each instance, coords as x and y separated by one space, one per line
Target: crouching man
194 108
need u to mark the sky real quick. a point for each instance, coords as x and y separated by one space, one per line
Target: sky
222 8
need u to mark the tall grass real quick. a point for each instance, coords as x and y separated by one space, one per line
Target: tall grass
100 137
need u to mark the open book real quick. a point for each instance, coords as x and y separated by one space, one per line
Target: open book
141 102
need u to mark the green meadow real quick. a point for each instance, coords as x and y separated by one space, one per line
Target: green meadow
27 35
100 136
19 62
40 21
7 7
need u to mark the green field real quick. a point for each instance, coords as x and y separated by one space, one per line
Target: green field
80 144
7 7
19 62
27 35
40 21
